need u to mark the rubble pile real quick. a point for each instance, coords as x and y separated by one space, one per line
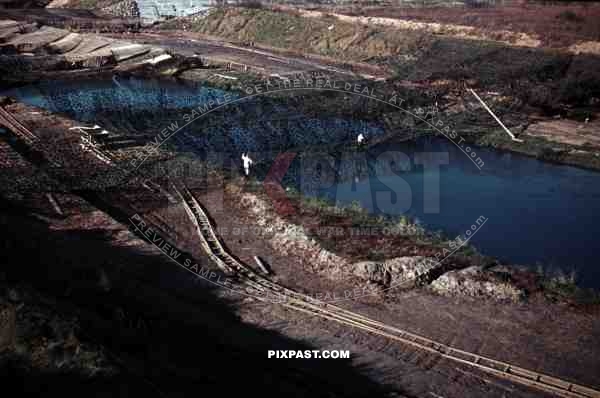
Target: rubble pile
475 282
124 9
396 271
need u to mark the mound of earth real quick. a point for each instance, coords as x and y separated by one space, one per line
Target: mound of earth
89 4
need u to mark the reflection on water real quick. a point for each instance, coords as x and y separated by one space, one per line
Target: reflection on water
254 125
82 99
537 212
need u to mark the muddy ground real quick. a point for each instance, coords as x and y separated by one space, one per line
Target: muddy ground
131 290
563 335
75 250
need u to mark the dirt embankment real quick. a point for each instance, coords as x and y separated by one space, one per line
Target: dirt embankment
545 79
556 26
452 30
89 4
329 246
326 36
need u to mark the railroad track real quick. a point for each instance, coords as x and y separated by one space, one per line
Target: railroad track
25 135
308 305
22 132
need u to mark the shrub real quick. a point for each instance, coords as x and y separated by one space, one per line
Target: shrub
569 16
543 97
254 4
479 3
580 89
550 154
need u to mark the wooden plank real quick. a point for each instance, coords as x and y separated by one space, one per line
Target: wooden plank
90 44
35 41
124 51
66 44
7 327
16 127
6 23
262 266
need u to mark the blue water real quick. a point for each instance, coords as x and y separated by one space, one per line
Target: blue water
537 213
83 99
122 97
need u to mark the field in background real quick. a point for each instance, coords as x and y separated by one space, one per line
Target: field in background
555 26
560 24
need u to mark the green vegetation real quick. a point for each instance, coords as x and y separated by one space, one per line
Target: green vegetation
540 149
358 215
559 285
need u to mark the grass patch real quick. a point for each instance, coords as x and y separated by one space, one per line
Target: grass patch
360 217
560 285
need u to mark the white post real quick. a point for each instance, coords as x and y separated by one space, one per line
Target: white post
495 117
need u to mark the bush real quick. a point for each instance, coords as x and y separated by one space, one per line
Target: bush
543 97
550 154
569 16
479 3
253 4
579 90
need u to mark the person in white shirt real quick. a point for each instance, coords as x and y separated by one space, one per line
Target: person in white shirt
247 162
360 138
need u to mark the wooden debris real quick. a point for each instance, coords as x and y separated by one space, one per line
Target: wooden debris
263 267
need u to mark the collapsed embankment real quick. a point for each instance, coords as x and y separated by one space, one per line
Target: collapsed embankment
324 238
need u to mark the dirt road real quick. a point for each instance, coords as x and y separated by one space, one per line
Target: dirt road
259 58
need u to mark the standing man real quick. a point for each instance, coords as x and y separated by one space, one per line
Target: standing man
360 139
247 162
